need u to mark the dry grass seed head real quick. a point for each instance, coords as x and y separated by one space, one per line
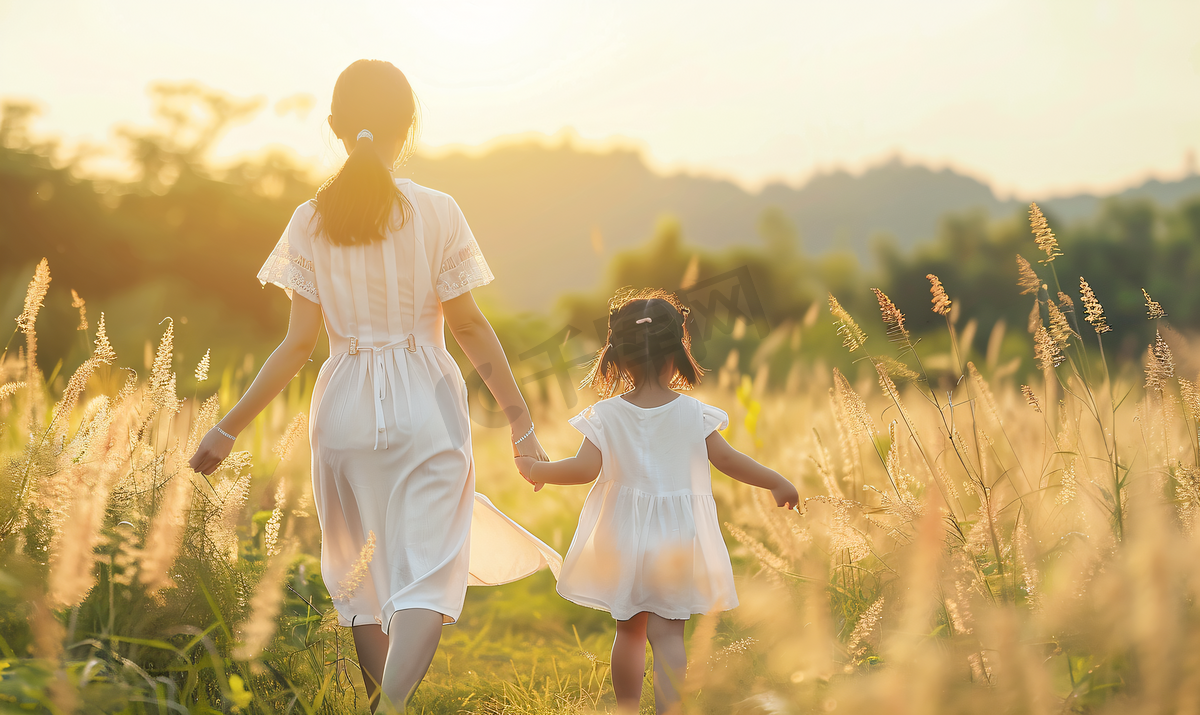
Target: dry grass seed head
265 606
852 336
1060 329
104 352
295 430
349 585
162 379
1154 309
1027 279
892 317
941 303
859 418
1042 234
80 305
1160 365
1046 350
202 367
1093 311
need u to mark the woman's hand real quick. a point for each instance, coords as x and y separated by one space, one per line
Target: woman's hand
213 450
530 447
525 467
786 495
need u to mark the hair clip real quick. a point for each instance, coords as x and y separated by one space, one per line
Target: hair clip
366 133
645 320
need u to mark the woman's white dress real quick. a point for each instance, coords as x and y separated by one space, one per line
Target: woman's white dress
648 537
389 426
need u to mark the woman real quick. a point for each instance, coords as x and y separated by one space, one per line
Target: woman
381 261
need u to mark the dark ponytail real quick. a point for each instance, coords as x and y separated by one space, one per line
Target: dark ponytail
358 203
644 327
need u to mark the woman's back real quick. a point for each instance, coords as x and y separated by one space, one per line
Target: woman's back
379 293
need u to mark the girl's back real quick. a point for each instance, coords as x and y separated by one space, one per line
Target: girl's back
655 450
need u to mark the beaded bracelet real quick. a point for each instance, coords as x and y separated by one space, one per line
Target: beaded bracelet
218 429
526 435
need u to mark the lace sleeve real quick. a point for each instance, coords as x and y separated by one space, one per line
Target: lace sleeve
288 268
463 271
464 267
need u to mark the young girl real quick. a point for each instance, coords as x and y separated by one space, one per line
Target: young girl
648 548
381 260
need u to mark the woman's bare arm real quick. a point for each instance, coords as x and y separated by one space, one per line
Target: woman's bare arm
729 461
304 326
477 339
584 467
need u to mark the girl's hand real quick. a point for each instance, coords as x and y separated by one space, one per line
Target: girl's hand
525 467
213 450
786 495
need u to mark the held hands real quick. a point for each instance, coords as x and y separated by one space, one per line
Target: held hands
526 454
525 467
785 495
213 450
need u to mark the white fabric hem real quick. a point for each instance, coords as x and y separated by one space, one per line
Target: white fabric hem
623 614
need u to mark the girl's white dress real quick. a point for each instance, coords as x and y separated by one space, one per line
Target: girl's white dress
389 427
649 538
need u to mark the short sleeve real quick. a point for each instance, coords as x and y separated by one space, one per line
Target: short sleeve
463 267
588 424
714 419
290 265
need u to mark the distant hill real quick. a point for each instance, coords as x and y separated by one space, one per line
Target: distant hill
538 205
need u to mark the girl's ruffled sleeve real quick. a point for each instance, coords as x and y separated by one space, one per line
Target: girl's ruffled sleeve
290 265
714 419
588 424
463 266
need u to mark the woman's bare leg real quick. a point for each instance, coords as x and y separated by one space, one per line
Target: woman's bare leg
670 661
629 663
371 644
412 641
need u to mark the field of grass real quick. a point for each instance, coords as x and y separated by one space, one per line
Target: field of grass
966 543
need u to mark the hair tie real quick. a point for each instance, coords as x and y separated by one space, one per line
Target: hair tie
367 134
644 320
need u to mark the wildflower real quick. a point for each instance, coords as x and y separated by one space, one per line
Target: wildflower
1153 308
941 304
77 302
1160 365
852 336
1046 350
202 368
1027 280
1042 234
1093 311
892 317
1031 398
349 586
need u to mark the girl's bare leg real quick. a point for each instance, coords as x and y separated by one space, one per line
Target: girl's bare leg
412 641
670 661
629 663
371 644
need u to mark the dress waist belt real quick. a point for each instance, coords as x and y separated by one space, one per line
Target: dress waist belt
376 368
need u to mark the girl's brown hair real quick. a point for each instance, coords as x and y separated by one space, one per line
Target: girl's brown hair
356 205
645 327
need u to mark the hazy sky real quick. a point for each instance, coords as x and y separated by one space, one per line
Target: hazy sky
1036 97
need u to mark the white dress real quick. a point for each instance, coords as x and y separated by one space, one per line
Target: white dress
649 538
389 427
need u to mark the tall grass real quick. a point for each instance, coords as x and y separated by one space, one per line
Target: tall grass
966 543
